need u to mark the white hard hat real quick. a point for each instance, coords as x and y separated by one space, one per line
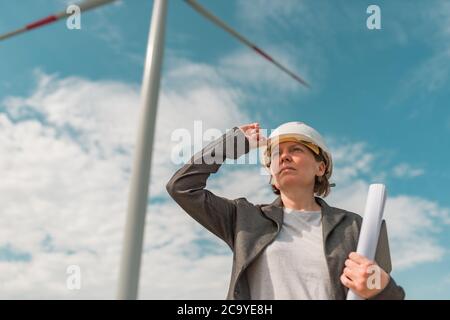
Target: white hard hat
298 131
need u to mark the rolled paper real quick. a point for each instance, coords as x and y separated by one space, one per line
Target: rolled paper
370 229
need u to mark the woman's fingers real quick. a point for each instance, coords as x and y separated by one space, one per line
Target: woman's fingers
347 282
253 134
353 273
252 130
257 136
359 259
351 264
246 127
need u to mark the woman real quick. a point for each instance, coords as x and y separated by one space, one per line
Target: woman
297 247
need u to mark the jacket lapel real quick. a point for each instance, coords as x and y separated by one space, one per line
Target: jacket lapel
274 211
330 219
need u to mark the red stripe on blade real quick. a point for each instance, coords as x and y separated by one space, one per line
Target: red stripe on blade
41 22
265 55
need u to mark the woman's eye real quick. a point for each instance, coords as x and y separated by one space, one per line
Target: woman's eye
298 149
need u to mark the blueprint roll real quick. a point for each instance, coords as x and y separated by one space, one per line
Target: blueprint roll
370 229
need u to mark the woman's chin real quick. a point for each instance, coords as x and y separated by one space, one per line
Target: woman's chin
291 181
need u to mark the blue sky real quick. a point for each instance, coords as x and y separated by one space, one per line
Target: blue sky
380 97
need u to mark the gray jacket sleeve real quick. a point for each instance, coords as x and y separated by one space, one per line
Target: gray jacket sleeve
187 186
383 259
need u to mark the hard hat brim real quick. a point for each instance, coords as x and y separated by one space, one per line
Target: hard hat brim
271 142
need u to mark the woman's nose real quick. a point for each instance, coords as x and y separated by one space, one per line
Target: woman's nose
285 156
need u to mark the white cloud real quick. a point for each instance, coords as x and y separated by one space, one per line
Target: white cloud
351 160
65 183
242 68
248 68
430 24
428 78
405 170
243 182
259 12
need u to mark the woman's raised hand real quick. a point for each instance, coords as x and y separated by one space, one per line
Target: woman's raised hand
252 132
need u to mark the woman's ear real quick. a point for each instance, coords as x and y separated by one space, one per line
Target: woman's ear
321 169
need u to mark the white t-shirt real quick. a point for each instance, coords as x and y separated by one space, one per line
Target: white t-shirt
294 265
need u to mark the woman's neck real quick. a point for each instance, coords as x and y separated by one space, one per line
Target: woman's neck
300 201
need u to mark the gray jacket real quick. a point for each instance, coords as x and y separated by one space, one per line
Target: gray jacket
248 228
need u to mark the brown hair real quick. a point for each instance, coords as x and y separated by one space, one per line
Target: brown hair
321 184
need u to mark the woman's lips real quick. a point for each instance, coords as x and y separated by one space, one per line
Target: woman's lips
286 169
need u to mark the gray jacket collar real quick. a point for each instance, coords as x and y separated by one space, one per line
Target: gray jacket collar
331 216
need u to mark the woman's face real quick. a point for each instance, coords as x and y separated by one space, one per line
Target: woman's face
294 165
